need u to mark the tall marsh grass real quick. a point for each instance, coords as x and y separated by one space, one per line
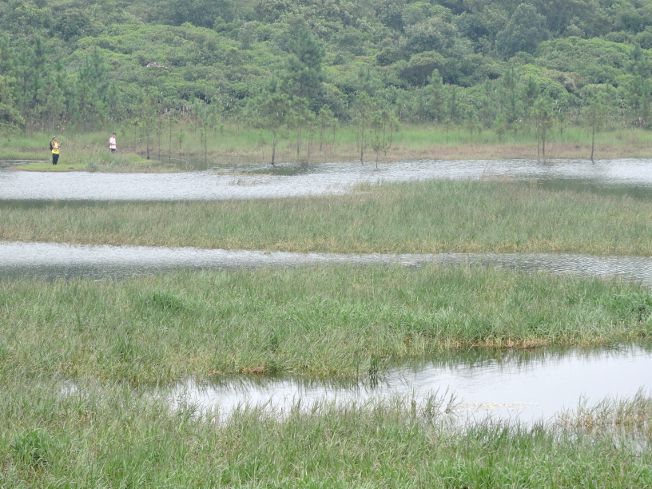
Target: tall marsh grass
410 217
115 437
312 322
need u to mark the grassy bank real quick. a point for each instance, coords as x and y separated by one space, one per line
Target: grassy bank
233 144
315 322
116 438
415 217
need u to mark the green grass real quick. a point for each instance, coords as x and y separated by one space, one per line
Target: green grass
114 437
315 322
84 151
99 162
416 217
231 144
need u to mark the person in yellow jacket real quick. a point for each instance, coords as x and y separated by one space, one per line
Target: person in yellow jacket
55 147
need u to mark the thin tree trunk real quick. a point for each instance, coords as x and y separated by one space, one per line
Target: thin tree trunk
592 141
538 144
205 143
170 139
148 130
321 138
299 135
159 130
308 146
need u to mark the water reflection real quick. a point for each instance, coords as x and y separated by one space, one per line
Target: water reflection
525 386
53 260
334 178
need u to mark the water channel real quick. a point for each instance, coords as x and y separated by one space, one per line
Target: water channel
247 182
53 260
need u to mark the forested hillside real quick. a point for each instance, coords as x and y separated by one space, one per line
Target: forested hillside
270 63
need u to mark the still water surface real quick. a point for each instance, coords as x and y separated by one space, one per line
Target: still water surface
321 179
527 386
51 260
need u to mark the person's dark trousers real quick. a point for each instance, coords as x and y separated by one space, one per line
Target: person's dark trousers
55 158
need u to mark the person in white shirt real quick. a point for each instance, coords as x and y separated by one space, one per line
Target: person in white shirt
113 145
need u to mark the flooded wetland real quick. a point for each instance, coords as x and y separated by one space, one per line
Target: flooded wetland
259 182
326 244
516 385
237 300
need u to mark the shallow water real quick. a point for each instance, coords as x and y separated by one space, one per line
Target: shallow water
323 179
527 386
52 260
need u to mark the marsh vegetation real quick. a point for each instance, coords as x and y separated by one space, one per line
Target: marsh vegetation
398 218
207 84
233 145
314 322
117 438
77 356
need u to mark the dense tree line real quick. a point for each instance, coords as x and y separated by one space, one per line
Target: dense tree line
503 64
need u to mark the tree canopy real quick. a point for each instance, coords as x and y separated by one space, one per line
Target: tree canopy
86 62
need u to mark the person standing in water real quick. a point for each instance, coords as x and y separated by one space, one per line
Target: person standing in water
113 145
55 146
